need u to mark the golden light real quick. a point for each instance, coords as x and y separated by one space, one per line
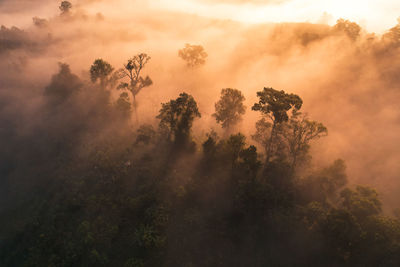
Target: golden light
375 15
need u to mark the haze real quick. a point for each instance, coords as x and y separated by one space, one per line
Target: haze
373 15
246 59
347 76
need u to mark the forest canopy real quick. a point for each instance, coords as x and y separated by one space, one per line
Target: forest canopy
215 154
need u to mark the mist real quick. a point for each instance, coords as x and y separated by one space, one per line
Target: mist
343 83
348 81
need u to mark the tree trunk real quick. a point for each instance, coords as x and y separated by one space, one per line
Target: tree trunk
270 144
294 162
134 106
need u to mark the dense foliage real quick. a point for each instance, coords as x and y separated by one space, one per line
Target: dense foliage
82 184
92 192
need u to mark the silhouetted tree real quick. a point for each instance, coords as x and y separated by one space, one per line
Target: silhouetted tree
210 147
351 29
230 108
393 35
39 22
298 132
275 104
132 69
194 55
234 146
342 233
123 105
177 116
63 84
145 134
362 202
249 161
65 7
323 185
101 70
263 133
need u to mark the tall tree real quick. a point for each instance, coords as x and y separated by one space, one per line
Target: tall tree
132 69
230 108
101 70
274 105
177 116
194 55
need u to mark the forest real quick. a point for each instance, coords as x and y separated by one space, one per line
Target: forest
95 171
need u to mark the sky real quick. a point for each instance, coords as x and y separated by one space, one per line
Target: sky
373 15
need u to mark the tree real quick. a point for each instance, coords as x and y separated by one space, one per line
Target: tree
249 161
298 133
230 108
194 55
177 116
39 22
63 85
362 202
393 35
275 104
145 134
123 105
343 234
324 184
65 7
263 131
132 69
101 70
210 147
234 145
351 29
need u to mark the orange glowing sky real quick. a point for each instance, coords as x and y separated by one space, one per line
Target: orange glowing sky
373 15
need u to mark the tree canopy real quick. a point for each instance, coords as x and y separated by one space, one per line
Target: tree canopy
194 55
101 70
83 186
65 7
63 84
275 105
230 108
177 116
351 29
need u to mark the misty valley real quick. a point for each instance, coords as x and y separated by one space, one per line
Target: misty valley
163 138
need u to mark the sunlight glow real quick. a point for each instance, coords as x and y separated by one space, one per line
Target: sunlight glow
375 15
